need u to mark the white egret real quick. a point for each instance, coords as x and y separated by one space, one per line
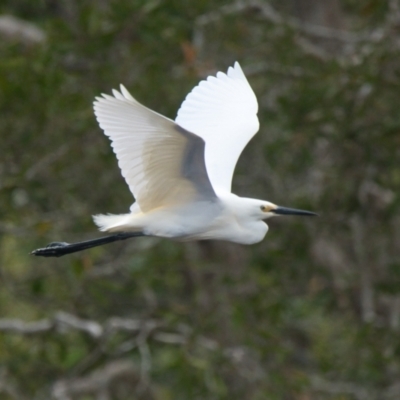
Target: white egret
180 172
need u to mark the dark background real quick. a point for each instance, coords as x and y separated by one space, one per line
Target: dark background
312 312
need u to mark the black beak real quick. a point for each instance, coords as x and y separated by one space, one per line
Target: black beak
292 211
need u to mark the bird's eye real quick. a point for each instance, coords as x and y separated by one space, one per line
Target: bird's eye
266 208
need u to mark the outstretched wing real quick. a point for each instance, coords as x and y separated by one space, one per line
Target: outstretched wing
223 111
162 163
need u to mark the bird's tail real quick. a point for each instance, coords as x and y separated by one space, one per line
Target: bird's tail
112 222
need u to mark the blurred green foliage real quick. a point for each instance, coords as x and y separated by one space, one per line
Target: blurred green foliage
312 312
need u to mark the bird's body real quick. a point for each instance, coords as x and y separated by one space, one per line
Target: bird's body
228 217
180 172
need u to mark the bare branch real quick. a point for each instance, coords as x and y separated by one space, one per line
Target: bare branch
269 13
336 388
132 325
324 32
15 28
98 382
142 332
94 329
61 321
170 338
25 328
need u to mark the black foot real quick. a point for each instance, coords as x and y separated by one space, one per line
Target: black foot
54 249
58 249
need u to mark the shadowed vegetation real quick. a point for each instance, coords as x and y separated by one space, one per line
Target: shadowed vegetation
312 312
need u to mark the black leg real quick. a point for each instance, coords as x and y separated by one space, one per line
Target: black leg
58 249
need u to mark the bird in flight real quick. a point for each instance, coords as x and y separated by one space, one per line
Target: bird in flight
180 172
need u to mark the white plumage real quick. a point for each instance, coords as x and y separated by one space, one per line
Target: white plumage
180 173
222 111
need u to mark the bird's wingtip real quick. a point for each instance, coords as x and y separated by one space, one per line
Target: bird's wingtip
126 93
236 71
118 95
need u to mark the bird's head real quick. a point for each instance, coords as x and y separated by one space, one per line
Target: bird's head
268 210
